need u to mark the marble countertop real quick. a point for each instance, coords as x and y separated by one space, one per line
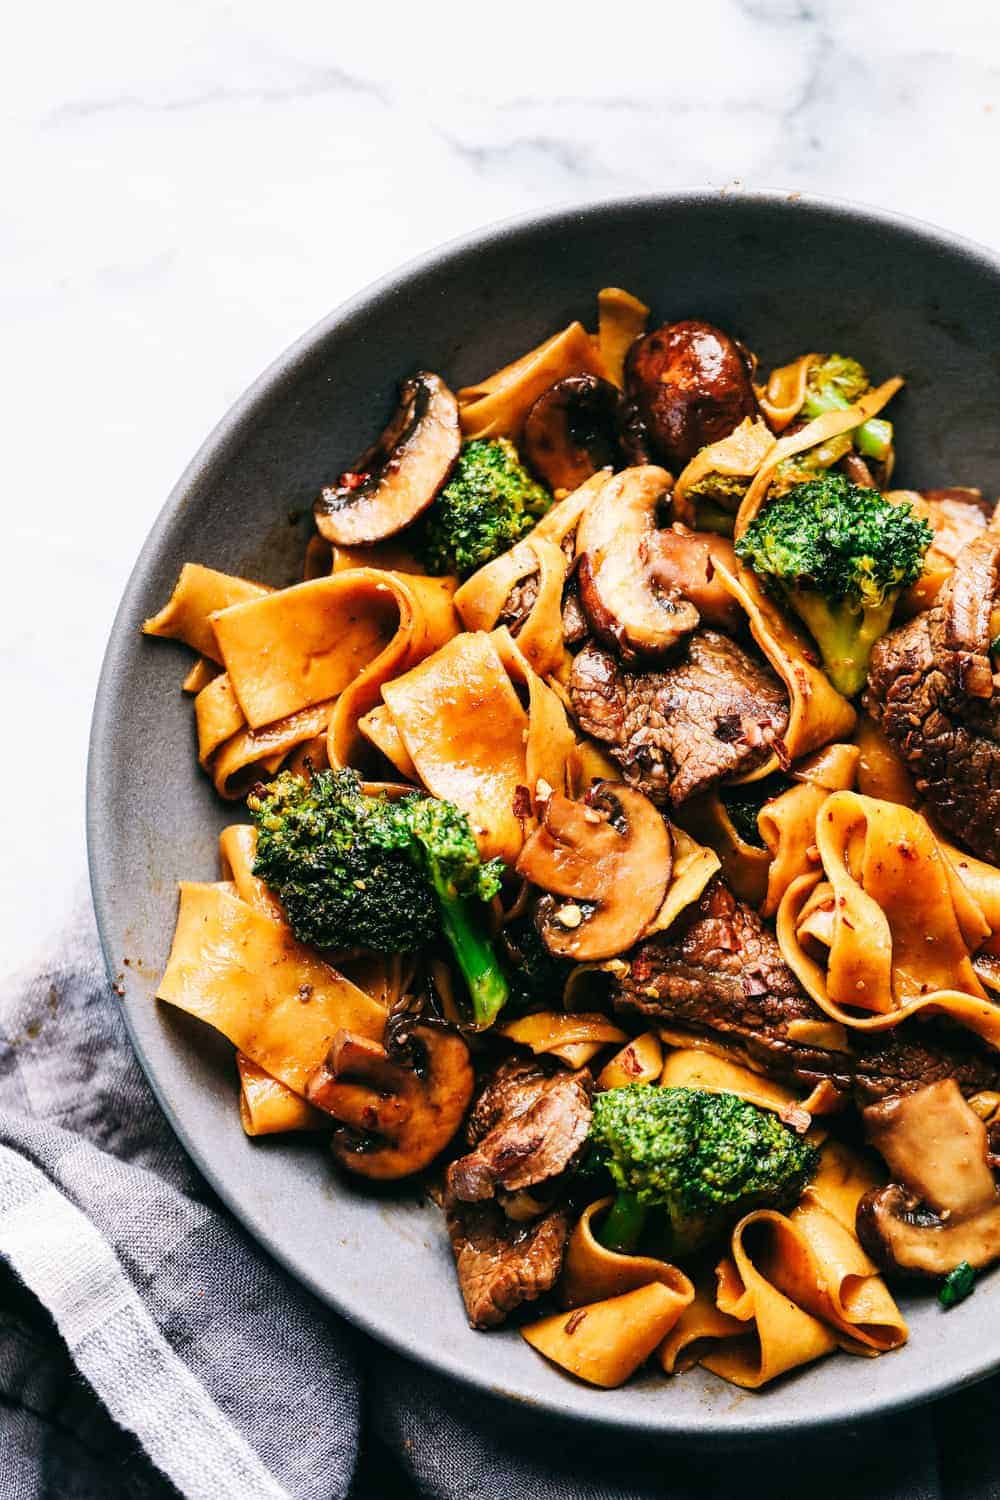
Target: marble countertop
188 187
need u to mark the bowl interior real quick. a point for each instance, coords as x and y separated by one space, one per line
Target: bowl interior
784 275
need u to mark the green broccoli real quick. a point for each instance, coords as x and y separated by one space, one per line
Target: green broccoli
360 871
744 802
957 1285
809 464
835 385
687 1164
839 554
489 503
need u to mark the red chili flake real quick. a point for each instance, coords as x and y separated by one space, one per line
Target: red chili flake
350 480
522 802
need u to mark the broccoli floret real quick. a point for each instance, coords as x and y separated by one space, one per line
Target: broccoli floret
724 491
839 554
744 802
957 1285
488 504
359 871
837 383
690 1163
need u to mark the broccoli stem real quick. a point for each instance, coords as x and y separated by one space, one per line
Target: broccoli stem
845 635
473 950
873 438
623 1224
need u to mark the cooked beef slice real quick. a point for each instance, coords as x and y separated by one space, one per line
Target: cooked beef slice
519 603
931 688
715 712
501 1264
720 973
918 1053
526 1127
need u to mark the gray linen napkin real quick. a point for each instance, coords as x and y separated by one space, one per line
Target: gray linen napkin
149 1349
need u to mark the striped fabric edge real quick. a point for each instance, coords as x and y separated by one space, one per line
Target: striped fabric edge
74 1272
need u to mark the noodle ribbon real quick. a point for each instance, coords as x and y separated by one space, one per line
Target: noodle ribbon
896 918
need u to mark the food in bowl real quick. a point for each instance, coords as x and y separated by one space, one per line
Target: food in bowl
623 800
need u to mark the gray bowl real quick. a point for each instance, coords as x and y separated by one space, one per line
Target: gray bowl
786 274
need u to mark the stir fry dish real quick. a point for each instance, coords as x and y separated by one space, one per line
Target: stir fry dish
621 848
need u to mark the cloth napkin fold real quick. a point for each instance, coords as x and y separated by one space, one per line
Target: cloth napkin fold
148 1348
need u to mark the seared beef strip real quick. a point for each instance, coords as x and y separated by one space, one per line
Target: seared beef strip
501 1264
721 974
930 686
919 1053
527 1127
676 731
519 603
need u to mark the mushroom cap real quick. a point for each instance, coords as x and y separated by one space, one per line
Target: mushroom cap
945 1207
400 474
616 546
691 385
609 859
571 431
398 1118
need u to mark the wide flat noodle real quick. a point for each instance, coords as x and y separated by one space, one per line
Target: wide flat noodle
739 455
639 1061
464 729
241 761
246 975
267 1107
787 824
744 866
574 1038
592 1273
881 773
481 599
893 918
198 594
820 430
497 406
817 712
427 619
200 675
692 867
606 1342
302 646
781 400
621 318
693 1068
470 739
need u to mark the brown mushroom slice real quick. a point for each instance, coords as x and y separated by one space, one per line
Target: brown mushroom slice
944 1208
618 589
399 476
570 431
608 859
683 562
398 1117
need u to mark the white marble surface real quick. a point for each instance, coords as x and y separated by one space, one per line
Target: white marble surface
188 186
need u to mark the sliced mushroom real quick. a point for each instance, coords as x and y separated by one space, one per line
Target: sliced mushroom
397 1118
399 476
570 431
690 385
683 562
608 861
616 541
944 1208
